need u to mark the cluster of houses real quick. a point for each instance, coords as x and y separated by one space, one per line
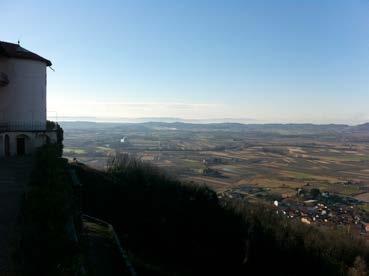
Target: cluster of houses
323 210
344 212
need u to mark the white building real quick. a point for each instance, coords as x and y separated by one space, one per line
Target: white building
22 101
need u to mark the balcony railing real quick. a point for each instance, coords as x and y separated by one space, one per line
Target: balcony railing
22 126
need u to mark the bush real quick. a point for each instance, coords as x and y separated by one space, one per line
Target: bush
314 192
181 229
53 126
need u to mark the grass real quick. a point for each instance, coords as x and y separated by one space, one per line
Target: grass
98 229
343 189
103 149
74 151
193 164
364 207
100 250
345 157
302 176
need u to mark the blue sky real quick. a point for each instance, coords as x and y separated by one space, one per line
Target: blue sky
268 61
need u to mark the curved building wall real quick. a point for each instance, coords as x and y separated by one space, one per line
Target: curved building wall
32 141
23 100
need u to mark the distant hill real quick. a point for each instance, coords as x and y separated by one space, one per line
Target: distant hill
364 128
282 129
267 128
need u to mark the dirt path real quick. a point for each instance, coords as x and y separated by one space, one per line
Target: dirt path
14 174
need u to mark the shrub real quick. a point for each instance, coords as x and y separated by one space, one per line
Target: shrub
314 192
182 229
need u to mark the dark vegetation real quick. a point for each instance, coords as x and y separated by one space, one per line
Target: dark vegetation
53 126
171 228
45 247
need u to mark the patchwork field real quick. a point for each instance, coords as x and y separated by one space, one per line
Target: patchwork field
278 158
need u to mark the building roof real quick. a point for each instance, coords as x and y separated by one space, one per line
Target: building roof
12 50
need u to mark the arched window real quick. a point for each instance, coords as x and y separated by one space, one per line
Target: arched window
22 141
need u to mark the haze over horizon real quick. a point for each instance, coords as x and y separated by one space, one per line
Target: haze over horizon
265 61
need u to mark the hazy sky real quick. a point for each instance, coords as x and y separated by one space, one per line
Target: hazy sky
275 61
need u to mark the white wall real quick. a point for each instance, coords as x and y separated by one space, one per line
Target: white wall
23 100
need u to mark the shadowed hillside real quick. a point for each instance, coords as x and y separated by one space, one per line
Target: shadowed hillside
171 228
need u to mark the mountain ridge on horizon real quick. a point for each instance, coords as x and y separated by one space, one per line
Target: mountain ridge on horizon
244 121
293 129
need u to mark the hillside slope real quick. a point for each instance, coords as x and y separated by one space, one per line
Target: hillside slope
171 228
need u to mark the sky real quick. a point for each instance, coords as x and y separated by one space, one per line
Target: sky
289 61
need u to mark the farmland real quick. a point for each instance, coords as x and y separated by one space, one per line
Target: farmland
278 158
